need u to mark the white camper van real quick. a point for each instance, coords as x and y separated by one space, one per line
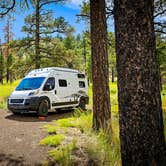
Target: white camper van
49 88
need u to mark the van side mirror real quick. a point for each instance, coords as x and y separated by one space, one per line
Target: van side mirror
47 87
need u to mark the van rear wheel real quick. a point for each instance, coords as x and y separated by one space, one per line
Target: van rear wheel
43 108
82 104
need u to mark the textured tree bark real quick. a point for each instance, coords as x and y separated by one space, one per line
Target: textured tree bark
100 73
141 122
37 36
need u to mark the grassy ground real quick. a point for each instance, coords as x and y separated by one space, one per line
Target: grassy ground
5 91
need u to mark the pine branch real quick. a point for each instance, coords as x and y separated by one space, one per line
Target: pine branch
48 2
83 15
160 31
160 13
7 9
162 25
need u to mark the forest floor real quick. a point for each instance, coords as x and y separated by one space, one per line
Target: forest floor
20 136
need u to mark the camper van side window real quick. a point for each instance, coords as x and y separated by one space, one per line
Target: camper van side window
50 82
81 84
62 83
81 75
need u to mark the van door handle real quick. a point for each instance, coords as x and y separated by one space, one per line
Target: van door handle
55 92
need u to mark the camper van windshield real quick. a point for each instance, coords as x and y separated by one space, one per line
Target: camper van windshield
30 83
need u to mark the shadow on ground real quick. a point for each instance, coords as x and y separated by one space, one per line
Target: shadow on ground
32 117
10 160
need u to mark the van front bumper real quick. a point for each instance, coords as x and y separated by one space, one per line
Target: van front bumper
30 104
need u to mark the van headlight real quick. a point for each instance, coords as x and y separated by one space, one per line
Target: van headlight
33 93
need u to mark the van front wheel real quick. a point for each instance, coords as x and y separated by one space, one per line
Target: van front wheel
43 108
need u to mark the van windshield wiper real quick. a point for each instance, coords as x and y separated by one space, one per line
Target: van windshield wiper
26 89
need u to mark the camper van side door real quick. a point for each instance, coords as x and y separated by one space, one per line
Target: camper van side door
63 90
49 89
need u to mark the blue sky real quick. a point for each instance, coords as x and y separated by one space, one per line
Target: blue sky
68 11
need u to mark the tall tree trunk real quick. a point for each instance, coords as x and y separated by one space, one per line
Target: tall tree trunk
7 36
11 76
160 79
84 52
113 74
141 122
1 64
37 36
7 75
100 73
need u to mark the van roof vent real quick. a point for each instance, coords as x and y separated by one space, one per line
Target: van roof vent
60 69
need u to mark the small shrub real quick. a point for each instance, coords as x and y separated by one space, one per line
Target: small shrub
52 140
50 129
114 91
62 155
82 119
66 123
102 151
3 105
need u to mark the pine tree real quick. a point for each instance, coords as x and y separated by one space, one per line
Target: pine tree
42 24
1 65
100 73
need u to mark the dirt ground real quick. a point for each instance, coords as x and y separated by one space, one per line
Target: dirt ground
20 136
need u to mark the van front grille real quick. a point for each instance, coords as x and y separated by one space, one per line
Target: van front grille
16 101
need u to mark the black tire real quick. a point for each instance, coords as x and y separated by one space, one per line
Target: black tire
16 112
58 110
82 104
43 108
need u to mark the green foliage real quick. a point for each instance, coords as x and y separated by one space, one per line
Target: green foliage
81 120
62 155
2 65
50 129
85 13
161 57
2 103
103 151
53 25
52 140
111 49
66 122
113 94
40 32
100 148
5 90
161 51
69 42
85 8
